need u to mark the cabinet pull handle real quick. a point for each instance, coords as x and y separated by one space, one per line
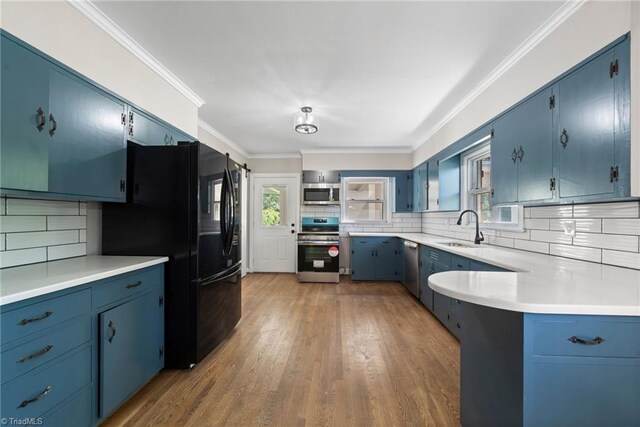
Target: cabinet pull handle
112 328
37 354
166 139
42 394
514 155
520 154
595 341
564 138
171 140
134 285
42 119
35 319
54 125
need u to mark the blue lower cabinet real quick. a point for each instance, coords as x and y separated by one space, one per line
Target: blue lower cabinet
75 412
131 348
375 258
33 394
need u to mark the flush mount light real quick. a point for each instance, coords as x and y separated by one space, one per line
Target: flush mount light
304 122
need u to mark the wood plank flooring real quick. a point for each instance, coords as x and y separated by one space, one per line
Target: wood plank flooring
353 354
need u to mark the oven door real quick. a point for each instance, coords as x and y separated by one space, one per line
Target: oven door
318 256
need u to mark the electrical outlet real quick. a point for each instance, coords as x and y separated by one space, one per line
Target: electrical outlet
570 228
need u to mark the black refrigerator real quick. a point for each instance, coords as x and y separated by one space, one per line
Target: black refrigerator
182 202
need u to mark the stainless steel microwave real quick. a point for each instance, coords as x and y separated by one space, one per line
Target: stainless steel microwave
321 194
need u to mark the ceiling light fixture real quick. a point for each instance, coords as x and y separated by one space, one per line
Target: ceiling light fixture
304 122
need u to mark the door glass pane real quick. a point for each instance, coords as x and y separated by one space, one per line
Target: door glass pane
274 206
365 211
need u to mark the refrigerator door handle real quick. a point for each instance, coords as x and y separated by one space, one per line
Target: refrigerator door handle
224 213
232 211
235 271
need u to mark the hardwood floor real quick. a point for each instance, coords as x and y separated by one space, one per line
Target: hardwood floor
353 354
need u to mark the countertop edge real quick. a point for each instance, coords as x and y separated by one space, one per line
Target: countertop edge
66 284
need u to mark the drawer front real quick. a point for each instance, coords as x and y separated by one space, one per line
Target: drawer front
373 241
130 284
459 263
26 357
361 241
580 336
74 412
441 257
37 392
35 353
27 320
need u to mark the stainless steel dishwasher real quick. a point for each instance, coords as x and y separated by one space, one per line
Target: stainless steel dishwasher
411 267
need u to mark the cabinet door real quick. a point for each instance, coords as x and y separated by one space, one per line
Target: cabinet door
403 191
386 261
586 125
420 188
311 177
131 348
24 147
504 170
426 293
177 136
534 145
330 176
433 185
455 317
145 130
449 188
441 303
87 150
362 262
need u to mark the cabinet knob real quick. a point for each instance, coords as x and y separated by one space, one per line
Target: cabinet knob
54 125
41 119
564 138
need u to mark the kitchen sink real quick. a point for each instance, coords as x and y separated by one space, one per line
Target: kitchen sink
455 244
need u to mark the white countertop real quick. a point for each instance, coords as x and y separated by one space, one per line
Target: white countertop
540 283
20 283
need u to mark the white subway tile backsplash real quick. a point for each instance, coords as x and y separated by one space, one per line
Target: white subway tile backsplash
582 225
41 207
576 252
22 257
622 259
528 245
3 205
41 238
83 208
66 222
522 235
550 236
621 226
607 241
608 210
66 251
82 236
565 211
12 224
536 223
2 241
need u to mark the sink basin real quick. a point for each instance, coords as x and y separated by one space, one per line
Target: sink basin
455 244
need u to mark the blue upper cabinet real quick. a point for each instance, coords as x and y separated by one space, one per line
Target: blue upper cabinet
404 191
449 184
146 130
87 147
420 180
592 108
178 136
521 151
24 139
433 184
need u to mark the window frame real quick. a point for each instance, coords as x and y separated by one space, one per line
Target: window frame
477 151
386 200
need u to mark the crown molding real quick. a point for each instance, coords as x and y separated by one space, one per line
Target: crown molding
275 156
381 150
103 22
542 32
213 131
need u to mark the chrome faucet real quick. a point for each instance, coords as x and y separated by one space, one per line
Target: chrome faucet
479 236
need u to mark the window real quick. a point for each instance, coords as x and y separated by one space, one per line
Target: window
476 181
274 206
366 200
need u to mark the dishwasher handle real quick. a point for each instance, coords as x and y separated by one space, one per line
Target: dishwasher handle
412 245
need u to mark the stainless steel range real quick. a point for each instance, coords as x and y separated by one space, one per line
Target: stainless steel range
319 250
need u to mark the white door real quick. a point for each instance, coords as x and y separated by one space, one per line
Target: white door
276 204
244 216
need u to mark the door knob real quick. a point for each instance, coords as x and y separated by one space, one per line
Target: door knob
293 231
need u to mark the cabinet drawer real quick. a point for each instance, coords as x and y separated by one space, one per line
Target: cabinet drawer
24 321
129 284
579 336
74 412
459 263
371 241
361 241
28 356
441 257
35 393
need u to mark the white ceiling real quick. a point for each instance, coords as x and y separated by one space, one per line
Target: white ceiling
378 75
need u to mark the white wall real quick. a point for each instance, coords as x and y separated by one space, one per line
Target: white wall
355 161
591 28
207 138
59 30
279 165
